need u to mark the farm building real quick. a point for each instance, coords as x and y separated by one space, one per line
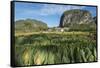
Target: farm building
58 29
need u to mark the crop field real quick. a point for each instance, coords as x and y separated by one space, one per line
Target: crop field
55 48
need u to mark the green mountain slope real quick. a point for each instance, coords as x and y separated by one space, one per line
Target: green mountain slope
30 25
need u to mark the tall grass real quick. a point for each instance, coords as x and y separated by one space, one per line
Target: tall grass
45 48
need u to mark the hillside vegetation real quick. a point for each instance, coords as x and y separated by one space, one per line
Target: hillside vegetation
29 25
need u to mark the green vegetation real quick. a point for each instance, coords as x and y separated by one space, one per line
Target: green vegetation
29 25
74 41
76 11
55 48
83 27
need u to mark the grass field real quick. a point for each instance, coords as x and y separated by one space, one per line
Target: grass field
72 32
39 48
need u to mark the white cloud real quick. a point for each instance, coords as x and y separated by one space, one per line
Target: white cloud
50 9
55 9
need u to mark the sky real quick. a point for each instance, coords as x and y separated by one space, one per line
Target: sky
47 13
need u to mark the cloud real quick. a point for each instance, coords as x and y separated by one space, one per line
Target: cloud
56 9
47 9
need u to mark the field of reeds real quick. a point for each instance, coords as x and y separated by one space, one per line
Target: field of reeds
55 48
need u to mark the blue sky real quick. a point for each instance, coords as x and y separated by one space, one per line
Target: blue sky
47 13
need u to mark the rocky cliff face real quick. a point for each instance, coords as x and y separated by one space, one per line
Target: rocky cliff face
95 19
76 16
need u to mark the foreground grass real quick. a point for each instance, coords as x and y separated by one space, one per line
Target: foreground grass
31 33
41 48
